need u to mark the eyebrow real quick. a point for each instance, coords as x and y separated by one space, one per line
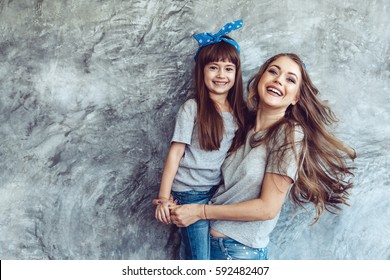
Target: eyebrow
291 73
228 64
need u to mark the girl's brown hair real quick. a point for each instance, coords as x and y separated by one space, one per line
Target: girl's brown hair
323 172
209 120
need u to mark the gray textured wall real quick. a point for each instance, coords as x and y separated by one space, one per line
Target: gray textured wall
88 94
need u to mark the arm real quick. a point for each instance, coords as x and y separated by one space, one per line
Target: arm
175 154
266 207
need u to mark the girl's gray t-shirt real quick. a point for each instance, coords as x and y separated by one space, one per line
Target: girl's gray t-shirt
243 173
199 169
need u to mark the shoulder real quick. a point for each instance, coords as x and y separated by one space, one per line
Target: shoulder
288 134
190 103
188 110
189 106
299 134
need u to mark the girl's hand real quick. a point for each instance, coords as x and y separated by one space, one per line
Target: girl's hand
187 214
162 211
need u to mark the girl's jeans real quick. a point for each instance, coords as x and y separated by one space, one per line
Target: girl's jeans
195 239
230 249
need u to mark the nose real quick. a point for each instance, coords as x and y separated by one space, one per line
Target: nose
278 80
221 73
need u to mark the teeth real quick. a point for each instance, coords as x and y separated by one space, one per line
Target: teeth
275 91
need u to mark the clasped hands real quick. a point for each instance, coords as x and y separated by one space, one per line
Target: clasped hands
168 212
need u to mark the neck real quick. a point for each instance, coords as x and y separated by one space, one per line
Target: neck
265 118
221 102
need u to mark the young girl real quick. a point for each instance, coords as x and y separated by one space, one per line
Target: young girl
288 149
204 132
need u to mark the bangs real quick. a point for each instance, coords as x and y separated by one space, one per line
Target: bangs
219 52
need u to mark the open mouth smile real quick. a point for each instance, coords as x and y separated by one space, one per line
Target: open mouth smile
275 91
220 83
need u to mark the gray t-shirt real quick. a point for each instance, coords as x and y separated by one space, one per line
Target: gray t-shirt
199 169
243 174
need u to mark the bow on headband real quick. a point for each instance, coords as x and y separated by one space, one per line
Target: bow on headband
205 39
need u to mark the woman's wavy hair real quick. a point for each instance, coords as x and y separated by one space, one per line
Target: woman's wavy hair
209 121
323 176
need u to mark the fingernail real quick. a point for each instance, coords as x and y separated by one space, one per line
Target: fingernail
159 201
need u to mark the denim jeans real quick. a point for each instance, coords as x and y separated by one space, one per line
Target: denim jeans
230 249
195 239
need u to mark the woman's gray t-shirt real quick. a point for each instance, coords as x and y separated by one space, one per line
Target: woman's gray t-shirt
199 169
243 174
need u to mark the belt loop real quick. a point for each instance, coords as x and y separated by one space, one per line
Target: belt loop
223 248
221 245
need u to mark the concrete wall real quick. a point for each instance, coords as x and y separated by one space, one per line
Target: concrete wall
88 95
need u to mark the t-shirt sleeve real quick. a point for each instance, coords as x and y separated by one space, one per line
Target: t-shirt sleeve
283 160
185 121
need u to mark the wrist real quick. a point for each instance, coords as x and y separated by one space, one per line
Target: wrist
162 200
203 213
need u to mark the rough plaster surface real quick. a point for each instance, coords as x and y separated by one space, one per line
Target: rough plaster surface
88 95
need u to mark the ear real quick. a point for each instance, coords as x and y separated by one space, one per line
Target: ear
295 101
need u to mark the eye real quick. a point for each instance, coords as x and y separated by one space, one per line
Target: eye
272 71
213 67
230 69
291 80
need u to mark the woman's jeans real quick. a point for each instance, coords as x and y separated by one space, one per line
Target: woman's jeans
195 239
230 249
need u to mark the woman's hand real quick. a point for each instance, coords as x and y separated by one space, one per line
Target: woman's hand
187 214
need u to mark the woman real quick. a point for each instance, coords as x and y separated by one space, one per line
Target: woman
288 149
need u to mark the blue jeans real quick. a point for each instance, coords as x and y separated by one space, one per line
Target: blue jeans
230 249
195 239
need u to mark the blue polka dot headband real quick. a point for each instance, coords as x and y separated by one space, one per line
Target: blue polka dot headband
205 39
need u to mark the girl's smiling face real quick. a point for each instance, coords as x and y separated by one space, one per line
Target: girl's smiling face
279 86
219 77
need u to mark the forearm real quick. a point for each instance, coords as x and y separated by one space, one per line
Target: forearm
168 176
252 210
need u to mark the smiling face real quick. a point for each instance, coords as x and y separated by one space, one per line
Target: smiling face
279 86
219 77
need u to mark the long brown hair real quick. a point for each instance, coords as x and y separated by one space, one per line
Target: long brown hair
209 120
323 176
